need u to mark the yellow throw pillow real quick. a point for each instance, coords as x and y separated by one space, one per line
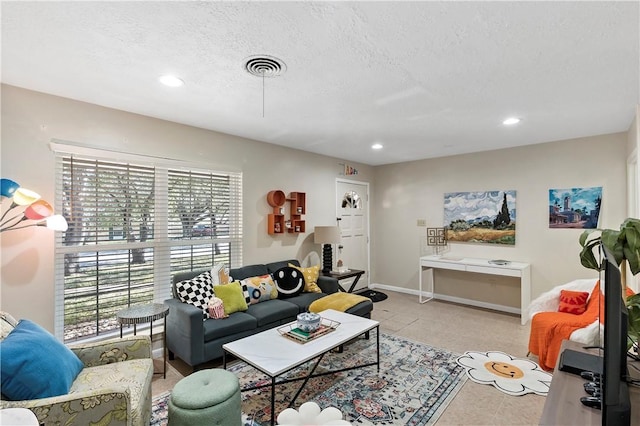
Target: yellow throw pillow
232 298
311 275
338 301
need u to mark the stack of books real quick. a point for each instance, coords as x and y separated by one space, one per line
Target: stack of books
306 336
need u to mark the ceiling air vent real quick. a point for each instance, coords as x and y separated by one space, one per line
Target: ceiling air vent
264 66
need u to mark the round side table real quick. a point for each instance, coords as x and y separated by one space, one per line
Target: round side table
140 314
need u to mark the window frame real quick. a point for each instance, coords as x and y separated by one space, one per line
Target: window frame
161 243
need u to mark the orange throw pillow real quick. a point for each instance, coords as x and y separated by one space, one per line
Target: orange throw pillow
573 302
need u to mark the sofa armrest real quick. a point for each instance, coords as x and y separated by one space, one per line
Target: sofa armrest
185 331
328 285
113 350
110 405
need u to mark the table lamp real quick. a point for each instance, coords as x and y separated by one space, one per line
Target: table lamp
327 235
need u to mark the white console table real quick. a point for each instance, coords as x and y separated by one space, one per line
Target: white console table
480 266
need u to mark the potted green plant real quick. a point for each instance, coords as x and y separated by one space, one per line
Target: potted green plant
625 247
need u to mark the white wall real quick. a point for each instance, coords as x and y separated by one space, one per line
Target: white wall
30 120
408 191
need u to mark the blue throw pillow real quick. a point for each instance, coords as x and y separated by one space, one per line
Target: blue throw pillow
34 364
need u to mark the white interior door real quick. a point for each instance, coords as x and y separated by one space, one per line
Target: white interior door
353 219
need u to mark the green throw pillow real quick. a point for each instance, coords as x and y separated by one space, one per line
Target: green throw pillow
232 298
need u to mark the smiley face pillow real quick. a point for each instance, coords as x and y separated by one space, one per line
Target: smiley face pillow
289 282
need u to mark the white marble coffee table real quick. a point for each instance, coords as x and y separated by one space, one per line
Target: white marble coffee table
274 354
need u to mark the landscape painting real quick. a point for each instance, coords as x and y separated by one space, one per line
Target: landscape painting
481 217
575 207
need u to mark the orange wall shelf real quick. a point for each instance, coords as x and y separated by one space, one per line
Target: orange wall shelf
276 223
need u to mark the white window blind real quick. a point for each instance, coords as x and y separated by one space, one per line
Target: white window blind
132 224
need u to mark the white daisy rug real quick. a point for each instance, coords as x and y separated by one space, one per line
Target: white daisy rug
511 375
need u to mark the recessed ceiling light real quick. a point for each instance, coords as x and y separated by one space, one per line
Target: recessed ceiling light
376 146
511 121
171 81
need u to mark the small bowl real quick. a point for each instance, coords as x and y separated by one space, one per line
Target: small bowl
308 321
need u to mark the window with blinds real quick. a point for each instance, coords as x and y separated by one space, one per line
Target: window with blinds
130 227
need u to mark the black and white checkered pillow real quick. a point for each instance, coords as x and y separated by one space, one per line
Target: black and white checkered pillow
245 292
197 291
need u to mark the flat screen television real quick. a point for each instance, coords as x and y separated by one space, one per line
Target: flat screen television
616 407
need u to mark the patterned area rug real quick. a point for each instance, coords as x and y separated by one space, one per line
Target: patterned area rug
159 410
510 375
415 384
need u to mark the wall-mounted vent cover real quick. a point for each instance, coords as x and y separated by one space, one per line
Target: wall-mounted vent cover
264 66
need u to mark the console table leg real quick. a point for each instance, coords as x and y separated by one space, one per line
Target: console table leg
353 284
431 281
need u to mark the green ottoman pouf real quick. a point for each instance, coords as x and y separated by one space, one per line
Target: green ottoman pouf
207 398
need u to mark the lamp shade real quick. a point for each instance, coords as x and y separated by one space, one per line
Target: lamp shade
8 187
38 210
24 197
57 223
326 235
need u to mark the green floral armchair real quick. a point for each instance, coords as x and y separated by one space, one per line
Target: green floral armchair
113 387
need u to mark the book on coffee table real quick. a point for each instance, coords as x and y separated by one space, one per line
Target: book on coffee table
294 333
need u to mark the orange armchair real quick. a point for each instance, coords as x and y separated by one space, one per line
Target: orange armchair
550 327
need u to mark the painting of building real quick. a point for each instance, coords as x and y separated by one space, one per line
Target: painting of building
575 207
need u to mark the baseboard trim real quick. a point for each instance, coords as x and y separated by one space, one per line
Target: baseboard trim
393 288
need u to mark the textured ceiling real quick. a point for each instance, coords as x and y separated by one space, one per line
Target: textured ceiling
425 79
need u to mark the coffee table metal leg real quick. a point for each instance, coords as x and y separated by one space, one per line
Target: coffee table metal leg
273 401
309 375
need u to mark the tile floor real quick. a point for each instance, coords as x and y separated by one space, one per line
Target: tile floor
449 326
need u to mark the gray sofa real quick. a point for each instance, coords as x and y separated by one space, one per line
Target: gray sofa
196 341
